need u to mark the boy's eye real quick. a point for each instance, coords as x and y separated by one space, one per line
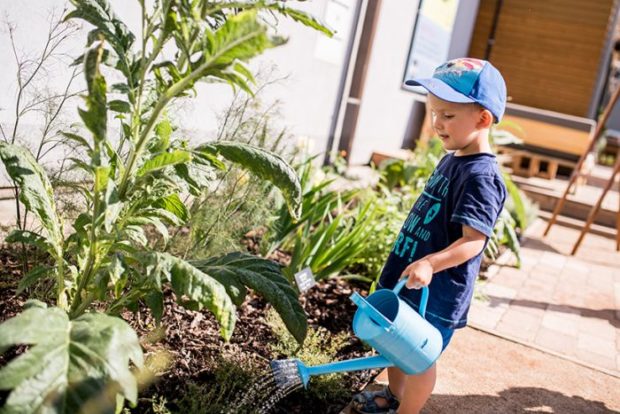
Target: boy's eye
446 116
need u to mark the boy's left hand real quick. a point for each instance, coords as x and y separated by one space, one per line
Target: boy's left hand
419 274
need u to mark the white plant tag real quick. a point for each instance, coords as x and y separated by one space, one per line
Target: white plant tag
305 280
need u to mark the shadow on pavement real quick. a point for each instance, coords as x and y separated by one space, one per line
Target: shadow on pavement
515 400
605 314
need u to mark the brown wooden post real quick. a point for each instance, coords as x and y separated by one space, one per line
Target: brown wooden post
596 208
618 214
577 171
354 100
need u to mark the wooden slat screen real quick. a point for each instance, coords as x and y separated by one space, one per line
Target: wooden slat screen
549 51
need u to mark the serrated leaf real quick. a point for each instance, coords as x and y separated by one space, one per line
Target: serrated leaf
31 238
35 190
119 106
241 37
164 160
173 204
69 363
99 14
198 286
266 165
95 117
266 279
301 17
32 277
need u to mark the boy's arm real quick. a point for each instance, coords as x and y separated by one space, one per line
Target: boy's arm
421 271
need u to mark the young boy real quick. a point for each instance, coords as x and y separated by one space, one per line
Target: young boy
440 244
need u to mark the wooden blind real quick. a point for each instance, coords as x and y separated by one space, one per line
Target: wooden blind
549 51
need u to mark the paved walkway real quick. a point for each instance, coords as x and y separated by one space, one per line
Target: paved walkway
568 305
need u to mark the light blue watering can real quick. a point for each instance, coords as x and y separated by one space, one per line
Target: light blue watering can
401 336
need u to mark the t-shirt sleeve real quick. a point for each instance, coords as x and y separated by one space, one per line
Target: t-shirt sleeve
480 203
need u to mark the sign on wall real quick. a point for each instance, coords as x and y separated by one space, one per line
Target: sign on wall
432 37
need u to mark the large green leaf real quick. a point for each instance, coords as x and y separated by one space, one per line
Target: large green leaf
242 37
163 160
31 238
278 6
35 190
266 165
70 365
99 14
175 205
266 279
197 285
95 117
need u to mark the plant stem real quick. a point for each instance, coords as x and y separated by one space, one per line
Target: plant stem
166 97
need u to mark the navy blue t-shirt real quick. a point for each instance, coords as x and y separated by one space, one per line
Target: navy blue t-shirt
466 190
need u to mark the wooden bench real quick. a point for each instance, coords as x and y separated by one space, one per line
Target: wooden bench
544 130
529 163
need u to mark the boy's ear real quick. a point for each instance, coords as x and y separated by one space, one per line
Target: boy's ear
486 119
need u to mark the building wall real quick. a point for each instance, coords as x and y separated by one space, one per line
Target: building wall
309 67
389 113
311 64
385 107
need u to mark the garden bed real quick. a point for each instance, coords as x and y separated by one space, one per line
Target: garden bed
202 365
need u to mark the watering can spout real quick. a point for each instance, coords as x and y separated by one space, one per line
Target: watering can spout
292 371
401 335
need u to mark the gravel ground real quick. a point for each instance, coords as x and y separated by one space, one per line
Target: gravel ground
482 373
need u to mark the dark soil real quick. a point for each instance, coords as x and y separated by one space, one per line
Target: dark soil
193 342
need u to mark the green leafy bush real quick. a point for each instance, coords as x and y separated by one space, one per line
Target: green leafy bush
331 233
320 347
239 202
391 209
77 356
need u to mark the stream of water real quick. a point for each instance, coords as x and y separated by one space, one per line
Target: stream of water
265 393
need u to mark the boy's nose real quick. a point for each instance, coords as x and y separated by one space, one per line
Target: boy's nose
437 123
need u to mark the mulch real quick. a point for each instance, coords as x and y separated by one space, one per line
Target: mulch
193 342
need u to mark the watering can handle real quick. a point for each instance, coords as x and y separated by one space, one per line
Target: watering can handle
423 300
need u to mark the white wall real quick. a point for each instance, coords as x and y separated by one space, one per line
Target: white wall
385 106
310 62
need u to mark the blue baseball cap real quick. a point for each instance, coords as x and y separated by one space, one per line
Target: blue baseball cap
467 80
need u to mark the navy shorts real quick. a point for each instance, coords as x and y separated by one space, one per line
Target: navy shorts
446 335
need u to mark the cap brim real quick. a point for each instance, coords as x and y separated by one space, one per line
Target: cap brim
441 90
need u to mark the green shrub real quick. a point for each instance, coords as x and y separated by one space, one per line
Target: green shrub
320 347
240 202
332 230
226 384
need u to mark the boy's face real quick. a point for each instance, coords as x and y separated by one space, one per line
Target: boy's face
456 124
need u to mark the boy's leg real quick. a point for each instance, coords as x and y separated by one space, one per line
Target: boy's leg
415 390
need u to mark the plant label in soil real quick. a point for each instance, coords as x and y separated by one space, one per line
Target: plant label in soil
305 280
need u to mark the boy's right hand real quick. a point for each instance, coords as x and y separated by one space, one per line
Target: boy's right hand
418 274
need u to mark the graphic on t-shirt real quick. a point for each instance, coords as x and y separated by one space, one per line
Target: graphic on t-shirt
424 211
